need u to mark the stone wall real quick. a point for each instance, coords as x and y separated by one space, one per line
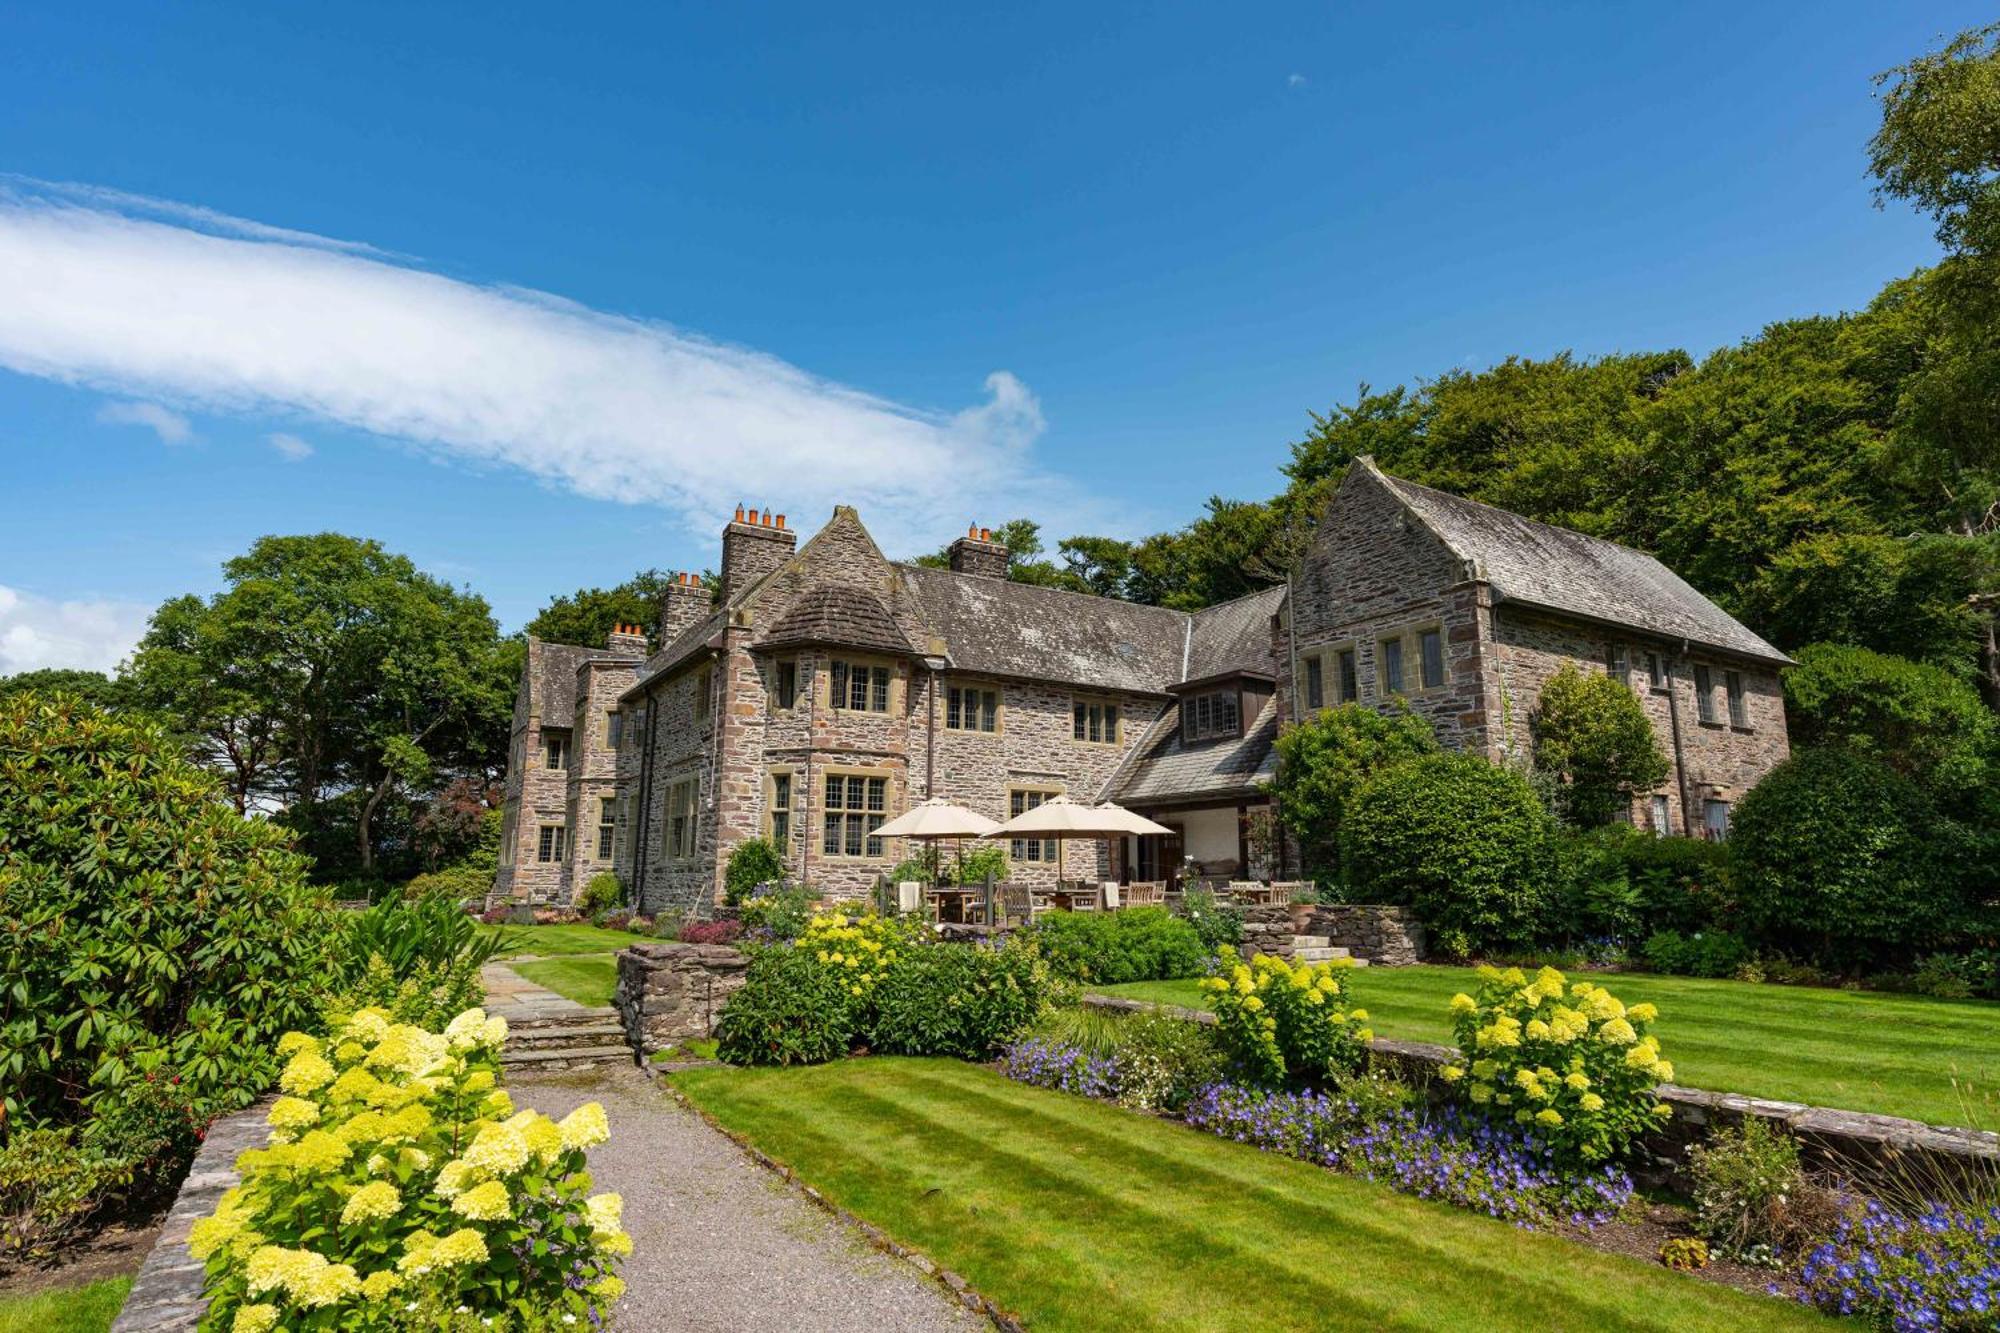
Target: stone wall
1381 936
1723 760
669 993
1374 573
166 1295
1385 936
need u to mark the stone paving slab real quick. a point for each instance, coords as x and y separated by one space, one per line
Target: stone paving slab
518 1000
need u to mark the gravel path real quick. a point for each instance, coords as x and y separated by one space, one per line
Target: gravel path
721 1243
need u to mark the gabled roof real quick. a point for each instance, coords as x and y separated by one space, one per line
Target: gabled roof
1537 564
1000 628
1166 770
838 614
1234 636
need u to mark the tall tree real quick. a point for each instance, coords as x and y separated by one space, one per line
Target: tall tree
328 664
587 615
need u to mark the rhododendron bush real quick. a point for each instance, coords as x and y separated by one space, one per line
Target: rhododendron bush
400 1186
1566 1060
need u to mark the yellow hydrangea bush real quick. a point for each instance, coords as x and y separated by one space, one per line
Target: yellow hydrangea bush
1566 1059
859 945
1281 1024
399 1186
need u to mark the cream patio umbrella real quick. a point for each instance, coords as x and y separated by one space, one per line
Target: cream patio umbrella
1062 819
935 819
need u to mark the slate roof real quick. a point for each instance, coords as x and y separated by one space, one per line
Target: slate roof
555 683
998 628
1166 770
1540 565
837 613
1234 636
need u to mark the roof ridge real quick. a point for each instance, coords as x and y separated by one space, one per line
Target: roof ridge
1264 591
1042 588
1395 481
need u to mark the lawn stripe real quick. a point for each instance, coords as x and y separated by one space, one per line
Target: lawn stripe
1429 1222
964 1126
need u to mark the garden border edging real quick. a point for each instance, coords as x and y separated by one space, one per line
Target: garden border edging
167 1293
1843 1140
961 1291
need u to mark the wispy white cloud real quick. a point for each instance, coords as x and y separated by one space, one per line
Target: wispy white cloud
36 632
290 447
1296 80
209 313
169 425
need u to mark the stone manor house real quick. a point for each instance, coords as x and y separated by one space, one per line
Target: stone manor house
823 689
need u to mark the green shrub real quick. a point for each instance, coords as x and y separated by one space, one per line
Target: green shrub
1752 1198
604 892
1219 924
1921 721
461 884
1566 1061
1593 897
1959 976
1709 953
1593 738
1838 858
1281 1025
793 1009
752 862
50 1187
1325 760
959 1000
784 914
1462 841
399 1178
972 867
144 924
1107 948
418 959
1683 883
1164 1061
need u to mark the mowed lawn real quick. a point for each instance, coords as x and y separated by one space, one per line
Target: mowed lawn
1081 1216
86 1309
578 962
1907 1055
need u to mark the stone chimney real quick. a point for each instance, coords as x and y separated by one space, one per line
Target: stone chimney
685 602
753 545
978 554
626 640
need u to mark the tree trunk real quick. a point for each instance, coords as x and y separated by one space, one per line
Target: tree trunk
364 842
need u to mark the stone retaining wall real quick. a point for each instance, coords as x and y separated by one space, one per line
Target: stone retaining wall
1385 936
669 992
1854 1144
167 1293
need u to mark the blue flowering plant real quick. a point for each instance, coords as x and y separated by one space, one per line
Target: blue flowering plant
398 1180
1566 1061
1061 1067
1375 1130
1938 1268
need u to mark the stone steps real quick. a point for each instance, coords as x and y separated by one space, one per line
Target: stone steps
566 1036
566 1057
1319 953
1311 941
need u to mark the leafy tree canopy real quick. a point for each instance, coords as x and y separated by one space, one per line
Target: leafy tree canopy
1330 756
93 687
587 615
1593 737
1923 722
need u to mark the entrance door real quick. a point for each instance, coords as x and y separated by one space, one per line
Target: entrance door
1160 858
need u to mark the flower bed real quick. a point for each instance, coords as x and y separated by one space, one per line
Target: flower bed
1370 1128
399 1187
1938 1270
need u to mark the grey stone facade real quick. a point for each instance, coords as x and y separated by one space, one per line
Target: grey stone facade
824 688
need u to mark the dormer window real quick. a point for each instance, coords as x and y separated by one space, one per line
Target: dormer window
1208 716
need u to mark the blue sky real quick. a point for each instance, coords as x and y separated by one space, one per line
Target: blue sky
595 277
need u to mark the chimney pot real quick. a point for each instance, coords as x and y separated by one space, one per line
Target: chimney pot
973 532
739 513
781 520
